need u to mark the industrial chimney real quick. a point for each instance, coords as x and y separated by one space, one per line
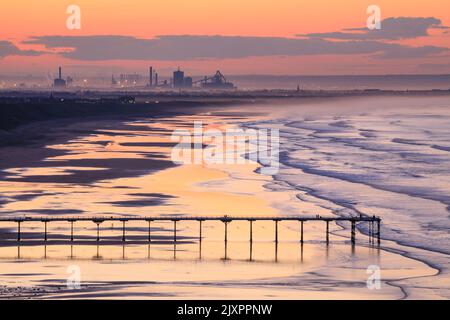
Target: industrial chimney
59 82
151 77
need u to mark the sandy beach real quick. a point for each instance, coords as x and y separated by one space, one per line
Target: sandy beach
112 167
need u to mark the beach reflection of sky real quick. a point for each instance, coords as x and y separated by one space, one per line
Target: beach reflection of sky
125 169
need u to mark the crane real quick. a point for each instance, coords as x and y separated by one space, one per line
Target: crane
217 81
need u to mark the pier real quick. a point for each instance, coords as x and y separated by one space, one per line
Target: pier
374 224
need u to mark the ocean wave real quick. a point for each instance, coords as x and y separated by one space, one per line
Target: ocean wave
392 164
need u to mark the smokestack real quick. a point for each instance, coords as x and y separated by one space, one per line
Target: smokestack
156 79
151 77
60 74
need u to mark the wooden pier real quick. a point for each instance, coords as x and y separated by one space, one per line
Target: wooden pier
374 224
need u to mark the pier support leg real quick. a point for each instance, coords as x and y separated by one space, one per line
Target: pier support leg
174 231
226 239
71 231
301 254
251 231
328 232
276 240
45 230
200 239
276 251
123 231
276 231
372 232
301 232
226 231
18 231
225 257
353 240
174 239
98 232
378 231
149 232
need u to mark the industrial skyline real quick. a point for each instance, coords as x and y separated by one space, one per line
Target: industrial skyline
177 81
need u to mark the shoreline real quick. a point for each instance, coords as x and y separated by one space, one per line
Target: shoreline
404 253
408 250
21 107
236 182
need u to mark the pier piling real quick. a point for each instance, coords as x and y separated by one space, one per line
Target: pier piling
98 231
149 230
71 231
276 231
226 231
372 232
18 230
353 240
45 230
174 231
301 232
200 231
123 230
378 231
328 232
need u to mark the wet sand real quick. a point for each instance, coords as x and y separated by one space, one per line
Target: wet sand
124 168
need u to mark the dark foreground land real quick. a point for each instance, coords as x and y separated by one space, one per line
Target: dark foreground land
22 107
17 111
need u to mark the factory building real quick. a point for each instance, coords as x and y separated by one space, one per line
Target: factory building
188 82
178 79
59 82
217 81
132 78
153 81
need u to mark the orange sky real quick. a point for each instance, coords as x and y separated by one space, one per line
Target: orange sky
22 19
